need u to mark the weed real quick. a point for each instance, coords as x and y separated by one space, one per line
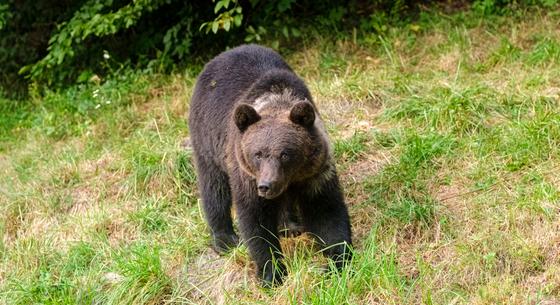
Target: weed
546 50
350 149
151 217
143 279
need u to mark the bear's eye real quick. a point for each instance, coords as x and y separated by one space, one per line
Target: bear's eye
258 155
284 156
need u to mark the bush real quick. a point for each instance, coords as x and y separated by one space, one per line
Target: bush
56 43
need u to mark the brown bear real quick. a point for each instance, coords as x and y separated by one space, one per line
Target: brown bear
259 142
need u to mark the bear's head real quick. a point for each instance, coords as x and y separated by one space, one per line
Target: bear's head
279 146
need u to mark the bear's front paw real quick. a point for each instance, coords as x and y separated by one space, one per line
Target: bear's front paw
341 255
273 276
292 229
223 242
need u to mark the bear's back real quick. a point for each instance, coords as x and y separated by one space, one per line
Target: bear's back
232 72
219 86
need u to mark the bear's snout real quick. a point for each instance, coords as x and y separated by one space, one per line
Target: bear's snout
270 181
269 189
264 187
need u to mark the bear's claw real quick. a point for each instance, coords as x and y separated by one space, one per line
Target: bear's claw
224 242
274 276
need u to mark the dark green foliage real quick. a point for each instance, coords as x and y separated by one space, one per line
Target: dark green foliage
81 41
488 7
64 42
25 29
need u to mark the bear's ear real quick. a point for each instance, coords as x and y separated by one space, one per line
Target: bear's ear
244 116
303 114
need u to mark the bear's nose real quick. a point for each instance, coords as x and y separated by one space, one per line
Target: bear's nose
264 187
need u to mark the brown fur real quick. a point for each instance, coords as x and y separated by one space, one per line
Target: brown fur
272 130
258 141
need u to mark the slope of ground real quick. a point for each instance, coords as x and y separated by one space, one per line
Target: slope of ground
446 134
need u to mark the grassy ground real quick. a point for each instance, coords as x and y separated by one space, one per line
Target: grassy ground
447 139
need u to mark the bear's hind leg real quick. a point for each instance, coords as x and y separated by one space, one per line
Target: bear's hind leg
216 202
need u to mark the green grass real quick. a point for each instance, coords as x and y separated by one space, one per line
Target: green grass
446 134
349 150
